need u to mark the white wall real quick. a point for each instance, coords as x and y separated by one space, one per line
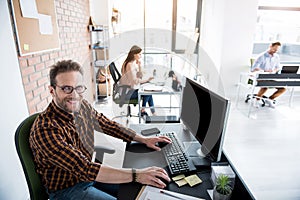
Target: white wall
227 37
13 110
100 11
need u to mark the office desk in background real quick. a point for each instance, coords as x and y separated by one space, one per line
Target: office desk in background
267 80
152 89
139 156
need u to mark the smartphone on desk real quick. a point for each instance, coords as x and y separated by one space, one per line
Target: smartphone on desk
150 131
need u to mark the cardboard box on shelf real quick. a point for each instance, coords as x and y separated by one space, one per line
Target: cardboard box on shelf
100 54
103 90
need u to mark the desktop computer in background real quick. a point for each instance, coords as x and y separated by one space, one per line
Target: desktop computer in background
204 114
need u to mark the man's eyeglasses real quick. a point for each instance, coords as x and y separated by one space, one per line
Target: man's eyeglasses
69 89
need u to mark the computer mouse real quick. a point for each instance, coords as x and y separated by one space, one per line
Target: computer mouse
164 181
161 144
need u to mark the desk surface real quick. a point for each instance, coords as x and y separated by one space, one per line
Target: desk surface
139 156
266 79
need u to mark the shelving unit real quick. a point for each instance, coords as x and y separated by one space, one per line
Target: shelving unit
99 35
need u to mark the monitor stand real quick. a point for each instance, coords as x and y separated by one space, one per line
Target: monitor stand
201 162
193 150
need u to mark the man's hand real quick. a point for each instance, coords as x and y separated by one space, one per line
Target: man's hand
152 176
152 141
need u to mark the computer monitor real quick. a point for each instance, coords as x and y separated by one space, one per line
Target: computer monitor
204 113
289 69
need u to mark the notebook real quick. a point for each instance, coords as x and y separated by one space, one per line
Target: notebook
289 69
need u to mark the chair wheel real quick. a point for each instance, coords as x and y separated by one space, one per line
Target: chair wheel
247 98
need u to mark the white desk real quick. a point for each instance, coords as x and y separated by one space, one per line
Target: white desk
268 80
151 89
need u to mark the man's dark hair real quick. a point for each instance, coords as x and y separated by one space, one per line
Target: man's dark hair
276 44
61 67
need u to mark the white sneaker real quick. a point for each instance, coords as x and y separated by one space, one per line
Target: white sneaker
270 103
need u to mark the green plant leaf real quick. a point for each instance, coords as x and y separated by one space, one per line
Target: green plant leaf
223 184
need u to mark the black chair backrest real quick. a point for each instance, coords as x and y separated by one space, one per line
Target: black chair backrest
36 189
119 91
114 72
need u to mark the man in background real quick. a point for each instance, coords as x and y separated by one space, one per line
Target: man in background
268 61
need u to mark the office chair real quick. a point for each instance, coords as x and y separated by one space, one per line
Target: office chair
254 96
36 189
120 91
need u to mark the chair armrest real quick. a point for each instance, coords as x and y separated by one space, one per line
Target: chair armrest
101 150
104 149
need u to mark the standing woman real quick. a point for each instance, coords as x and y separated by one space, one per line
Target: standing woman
132 76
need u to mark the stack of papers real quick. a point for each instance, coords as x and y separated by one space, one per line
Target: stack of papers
152 88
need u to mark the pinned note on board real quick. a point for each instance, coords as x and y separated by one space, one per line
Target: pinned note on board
26 47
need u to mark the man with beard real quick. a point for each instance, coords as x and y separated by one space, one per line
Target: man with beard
62 142
268 62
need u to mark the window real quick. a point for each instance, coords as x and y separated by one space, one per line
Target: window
168 15
278 21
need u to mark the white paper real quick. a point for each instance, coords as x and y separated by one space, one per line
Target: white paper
45 24
153 88
29 9
158 196
210 193
153 193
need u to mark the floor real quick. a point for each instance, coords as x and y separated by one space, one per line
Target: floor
264 148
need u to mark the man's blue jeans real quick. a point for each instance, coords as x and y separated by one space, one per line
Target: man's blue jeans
88 191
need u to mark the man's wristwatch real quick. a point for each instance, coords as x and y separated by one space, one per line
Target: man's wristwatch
134 177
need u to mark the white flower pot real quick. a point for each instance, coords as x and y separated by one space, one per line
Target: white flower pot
218 196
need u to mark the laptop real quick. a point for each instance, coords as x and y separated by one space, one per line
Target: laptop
163 119
289 69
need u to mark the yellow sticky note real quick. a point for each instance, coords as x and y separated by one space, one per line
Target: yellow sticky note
26 47
178 177
181 182
193 180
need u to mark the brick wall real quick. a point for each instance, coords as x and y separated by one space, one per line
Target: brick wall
72 19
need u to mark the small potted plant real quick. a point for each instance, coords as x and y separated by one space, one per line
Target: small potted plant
222 190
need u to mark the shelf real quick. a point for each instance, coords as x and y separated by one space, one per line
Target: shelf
98 28
101 63
99 45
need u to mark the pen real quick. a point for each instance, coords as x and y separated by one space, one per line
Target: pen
169 194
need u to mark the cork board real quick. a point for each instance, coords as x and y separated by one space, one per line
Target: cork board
28 30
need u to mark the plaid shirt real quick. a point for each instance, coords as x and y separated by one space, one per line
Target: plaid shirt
62 144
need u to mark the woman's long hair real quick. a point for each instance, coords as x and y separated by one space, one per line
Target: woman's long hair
130 57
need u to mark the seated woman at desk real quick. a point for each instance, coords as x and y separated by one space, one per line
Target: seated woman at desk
268 61
132 75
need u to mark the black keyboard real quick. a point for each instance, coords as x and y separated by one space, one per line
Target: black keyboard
178 161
